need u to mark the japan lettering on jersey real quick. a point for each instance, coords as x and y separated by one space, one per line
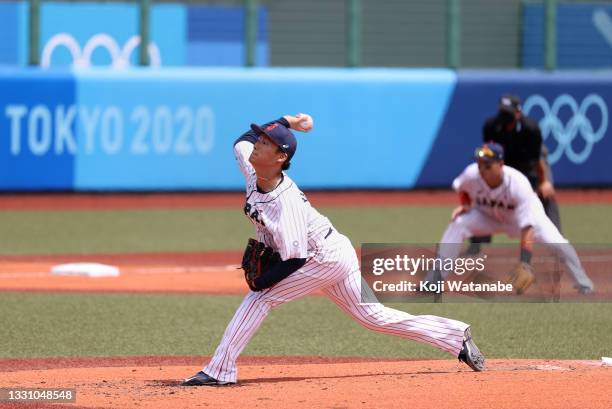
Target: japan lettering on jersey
513 201
283 218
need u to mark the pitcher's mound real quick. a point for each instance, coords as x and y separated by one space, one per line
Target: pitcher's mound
295 382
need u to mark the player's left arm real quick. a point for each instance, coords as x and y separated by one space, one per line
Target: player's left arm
521 277
291 235
526 244
525 215
278 272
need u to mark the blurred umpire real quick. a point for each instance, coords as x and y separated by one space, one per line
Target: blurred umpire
523 150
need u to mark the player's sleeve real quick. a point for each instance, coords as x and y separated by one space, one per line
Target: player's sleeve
525 211
291 233
462 182
242 152
243 146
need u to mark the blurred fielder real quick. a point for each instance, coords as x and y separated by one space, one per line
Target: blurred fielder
496 198
525 151
298 251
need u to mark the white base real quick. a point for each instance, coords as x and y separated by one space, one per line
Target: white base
85 269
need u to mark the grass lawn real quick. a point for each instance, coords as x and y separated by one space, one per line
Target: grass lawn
45 325
39 232
42 325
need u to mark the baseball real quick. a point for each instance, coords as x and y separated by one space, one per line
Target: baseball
305 123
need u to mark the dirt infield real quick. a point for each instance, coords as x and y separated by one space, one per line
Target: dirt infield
106 201
204 273
293 382
210 273
219 273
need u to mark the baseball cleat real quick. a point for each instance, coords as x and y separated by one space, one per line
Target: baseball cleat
584 290
470 354
201 379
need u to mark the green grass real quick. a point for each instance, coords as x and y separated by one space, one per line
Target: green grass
39 232
40 325
43 325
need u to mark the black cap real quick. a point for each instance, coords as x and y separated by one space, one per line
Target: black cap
510 103
281 136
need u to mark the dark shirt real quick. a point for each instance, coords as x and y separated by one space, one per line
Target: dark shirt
522 145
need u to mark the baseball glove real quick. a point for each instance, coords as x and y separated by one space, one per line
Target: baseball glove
521 277
256 260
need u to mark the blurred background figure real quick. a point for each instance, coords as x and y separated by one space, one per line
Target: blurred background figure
521 139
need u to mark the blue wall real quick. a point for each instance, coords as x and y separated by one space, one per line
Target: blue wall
374 128
571 108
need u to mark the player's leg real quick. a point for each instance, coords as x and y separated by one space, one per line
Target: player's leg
547 234
550 204
442 333
472 223
551 208
476 244
256 306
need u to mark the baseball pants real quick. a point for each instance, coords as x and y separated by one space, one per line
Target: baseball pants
335 271
477 223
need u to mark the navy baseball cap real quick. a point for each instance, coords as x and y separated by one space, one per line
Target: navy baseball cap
510 103
282 136
489 152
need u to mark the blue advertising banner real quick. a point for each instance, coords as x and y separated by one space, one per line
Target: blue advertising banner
168 129
37 145
173 129
571 109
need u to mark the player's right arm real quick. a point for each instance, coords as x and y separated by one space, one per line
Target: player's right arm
461 185
465 204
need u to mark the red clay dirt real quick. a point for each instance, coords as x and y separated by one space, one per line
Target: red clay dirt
113 201
211 273
312 382
205 273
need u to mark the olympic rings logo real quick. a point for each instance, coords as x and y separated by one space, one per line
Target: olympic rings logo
120 57
578 125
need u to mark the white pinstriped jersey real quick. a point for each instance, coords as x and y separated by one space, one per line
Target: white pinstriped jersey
514 201
286 221
283 218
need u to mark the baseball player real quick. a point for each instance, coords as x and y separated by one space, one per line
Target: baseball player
524 151
314 256
496 198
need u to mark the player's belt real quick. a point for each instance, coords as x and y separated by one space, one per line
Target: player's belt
329 232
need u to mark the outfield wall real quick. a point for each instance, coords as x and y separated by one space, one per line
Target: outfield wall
173 129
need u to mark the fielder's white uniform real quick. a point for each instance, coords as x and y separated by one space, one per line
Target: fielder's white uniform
285 220
509 208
